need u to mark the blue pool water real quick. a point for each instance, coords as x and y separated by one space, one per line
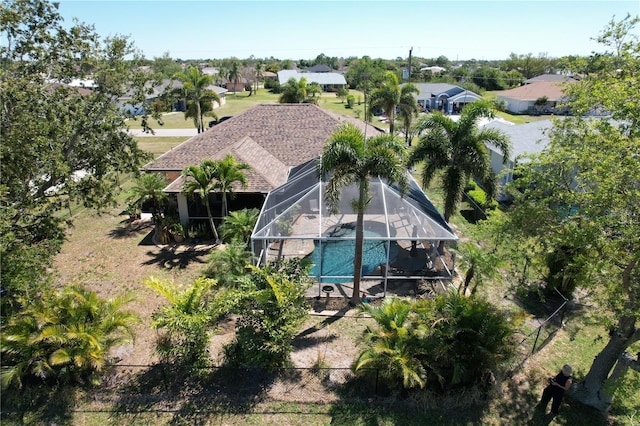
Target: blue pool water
337 256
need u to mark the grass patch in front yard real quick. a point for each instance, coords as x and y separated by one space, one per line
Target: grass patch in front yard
159 145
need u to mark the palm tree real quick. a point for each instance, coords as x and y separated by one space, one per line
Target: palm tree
185 319
202 181
67 334
206 110
458 148
408 110
390 346
234 75
349 159
195 90
239 225
149 187
294 91
227 172
259 72
390 95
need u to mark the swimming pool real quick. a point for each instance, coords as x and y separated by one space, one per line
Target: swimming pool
337 256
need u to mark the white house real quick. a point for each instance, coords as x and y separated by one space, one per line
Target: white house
329 81
529 138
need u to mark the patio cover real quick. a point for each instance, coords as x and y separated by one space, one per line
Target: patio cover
297 210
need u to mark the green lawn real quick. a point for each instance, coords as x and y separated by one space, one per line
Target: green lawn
159 145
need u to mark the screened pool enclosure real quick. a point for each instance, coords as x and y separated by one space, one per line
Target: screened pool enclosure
402 234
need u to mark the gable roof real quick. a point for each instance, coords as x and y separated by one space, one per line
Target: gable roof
320 68
429 90
270 138
558 78
553 90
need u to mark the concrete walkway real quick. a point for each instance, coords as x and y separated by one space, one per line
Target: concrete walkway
164 132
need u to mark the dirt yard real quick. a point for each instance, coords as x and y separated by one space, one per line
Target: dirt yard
112 256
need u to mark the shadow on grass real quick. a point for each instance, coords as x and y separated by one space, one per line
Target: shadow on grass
192 395
518 404
135 229
38 404
177 257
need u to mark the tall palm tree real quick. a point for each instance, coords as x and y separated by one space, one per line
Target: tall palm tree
234 75
201 179
149 187
408 110
390 95
195 90
458 148
227 172
259 73
206 110
349 159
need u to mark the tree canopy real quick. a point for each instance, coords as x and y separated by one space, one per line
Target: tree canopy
579 198
62 143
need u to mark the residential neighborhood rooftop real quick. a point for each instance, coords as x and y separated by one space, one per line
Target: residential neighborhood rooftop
271 138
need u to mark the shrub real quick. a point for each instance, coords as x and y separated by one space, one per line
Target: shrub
270 308
64 336
350 101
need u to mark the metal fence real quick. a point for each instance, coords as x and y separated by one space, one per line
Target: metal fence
535 340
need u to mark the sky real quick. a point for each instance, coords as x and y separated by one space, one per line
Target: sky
300 29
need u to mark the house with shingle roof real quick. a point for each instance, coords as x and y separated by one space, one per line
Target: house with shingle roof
271 138
527 99
329 81
444 97
526 139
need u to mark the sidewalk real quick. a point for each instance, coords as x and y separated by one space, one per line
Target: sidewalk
164 132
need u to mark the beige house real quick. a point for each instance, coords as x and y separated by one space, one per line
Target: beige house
527 99
272 139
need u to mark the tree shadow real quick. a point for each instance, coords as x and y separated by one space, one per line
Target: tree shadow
41 404
135 229
192 394
177 257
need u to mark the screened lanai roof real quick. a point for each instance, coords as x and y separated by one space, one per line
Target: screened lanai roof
297 210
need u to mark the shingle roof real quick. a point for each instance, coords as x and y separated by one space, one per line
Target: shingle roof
558 78
529 138
533 91
270 138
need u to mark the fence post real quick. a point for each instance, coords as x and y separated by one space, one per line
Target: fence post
536 341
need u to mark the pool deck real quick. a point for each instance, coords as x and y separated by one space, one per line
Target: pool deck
414 261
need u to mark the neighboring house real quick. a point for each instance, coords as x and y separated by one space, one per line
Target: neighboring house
529 138
319 68
268 75
552 78
434 69
166 85
448 98
329 81
237 86
270 138
527 99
